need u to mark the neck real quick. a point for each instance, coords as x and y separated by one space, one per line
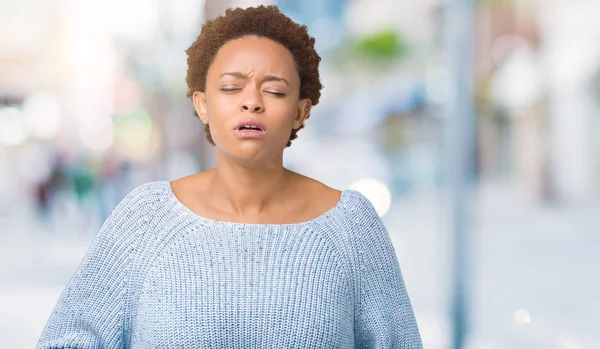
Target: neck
248 190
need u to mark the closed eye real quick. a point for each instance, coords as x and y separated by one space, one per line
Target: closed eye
230 89
277 94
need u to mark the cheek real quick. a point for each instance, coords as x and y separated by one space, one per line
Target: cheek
284 119
219 113
285 124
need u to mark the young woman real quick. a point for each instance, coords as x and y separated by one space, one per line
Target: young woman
248 254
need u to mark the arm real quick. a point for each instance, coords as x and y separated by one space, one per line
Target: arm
90 311
385 318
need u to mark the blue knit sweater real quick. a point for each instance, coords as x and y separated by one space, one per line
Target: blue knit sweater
158 275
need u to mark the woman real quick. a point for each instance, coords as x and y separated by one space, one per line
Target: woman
249 254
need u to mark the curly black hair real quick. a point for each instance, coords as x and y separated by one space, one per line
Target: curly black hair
262 21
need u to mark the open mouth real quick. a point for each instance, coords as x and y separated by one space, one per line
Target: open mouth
250 127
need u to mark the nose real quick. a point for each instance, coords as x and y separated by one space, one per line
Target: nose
252 103
252 107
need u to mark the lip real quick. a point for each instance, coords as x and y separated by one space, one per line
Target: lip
249 134
250 122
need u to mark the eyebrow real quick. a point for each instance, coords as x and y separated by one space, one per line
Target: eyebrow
265 79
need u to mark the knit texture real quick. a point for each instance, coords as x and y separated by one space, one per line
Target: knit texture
157 275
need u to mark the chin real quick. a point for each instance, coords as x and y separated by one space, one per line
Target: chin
248 154
251 151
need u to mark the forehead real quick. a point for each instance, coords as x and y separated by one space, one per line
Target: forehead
255 56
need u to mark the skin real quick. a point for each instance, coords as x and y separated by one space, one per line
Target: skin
256 78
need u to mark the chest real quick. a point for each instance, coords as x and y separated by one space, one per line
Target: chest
246 289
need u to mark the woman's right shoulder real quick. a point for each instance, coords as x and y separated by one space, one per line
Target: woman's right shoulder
141 199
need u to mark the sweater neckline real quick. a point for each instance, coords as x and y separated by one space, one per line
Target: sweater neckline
214 222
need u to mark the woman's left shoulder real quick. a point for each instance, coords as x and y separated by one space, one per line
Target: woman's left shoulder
357 202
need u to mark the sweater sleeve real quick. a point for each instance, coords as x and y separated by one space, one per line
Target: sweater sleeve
385 318
90 311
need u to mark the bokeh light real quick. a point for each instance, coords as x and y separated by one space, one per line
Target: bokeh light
522 317
376 191
97 134
13 130
137 138
42 115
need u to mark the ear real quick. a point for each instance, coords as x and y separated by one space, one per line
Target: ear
302 112
199 99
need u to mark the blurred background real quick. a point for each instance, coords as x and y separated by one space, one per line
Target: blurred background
479 147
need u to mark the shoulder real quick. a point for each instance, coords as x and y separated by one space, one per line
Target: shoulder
359 205
139 201
146 192
365 226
